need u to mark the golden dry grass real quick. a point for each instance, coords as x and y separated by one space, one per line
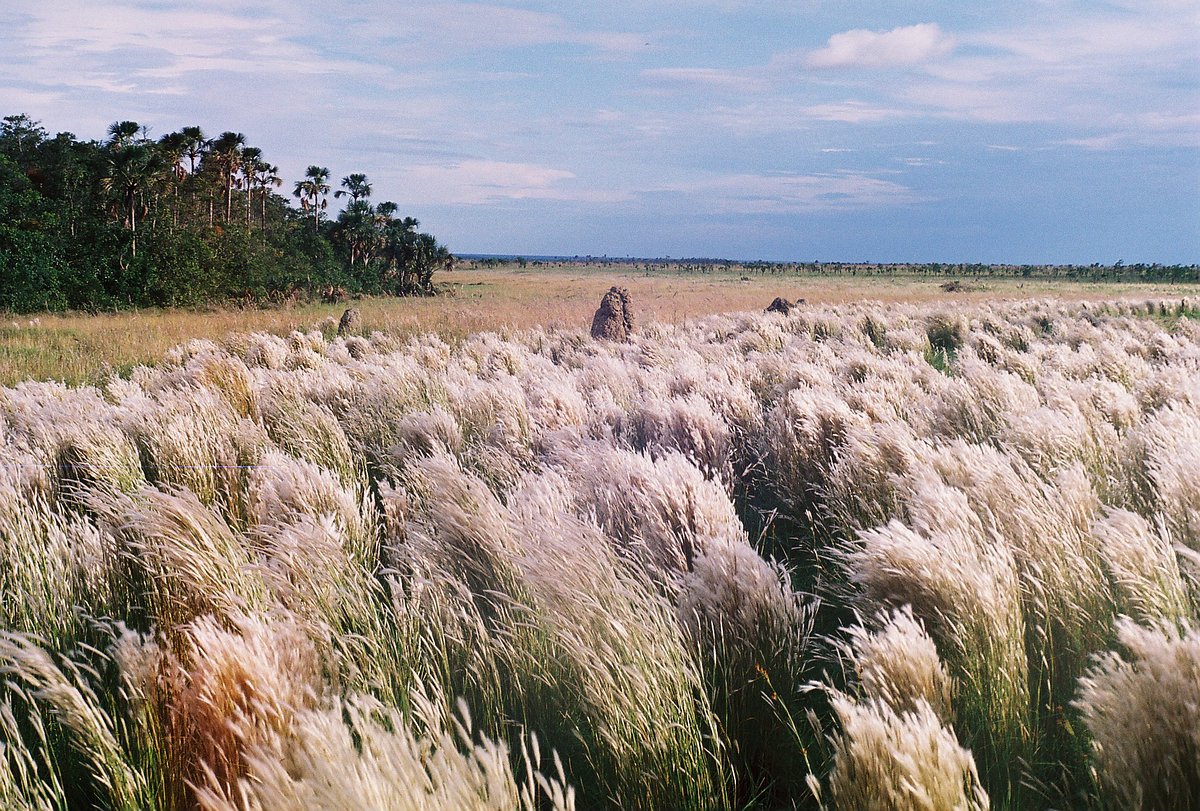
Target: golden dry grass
80 348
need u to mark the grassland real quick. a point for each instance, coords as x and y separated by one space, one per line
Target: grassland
82 348
928 551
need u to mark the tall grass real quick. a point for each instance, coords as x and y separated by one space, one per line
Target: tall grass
863 556
562 627
889 760
1142 707
895 746
359 755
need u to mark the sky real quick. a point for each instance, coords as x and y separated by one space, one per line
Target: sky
1033 131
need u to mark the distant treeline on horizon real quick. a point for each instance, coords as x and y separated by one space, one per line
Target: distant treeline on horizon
187 219
1117 271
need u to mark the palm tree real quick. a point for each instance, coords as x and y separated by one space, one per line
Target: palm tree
123 133
225 152
311 192
194 146
130 171
429 257
356 226
266 176
356 186
251 157
399 241
172 146
383 219
385 244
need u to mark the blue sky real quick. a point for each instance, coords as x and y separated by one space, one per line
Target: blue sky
1029 131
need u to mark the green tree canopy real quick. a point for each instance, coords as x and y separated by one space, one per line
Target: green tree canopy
184 219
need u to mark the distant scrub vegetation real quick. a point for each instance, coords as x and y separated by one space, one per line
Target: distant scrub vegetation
964 274
859 557
186 219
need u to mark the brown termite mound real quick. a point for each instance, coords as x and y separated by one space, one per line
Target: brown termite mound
350 322
780 305
614 319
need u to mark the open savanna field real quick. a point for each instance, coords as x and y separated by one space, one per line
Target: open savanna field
898 549
81 348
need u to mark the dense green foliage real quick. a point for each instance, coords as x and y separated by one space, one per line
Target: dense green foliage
186 219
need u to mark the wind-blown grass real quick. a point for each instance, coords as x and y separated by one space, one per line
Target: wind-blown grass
1142 708
858 556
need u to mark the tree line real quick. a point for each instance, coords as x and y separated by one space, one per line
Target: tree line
185 219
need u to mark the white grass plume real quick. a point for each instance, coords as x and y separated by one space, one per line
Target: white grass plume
1144 568
965 588
184 555
889 761
359 755
898 664
1142 707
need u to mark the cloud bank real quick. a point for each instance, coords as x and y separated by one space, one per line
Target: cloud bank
705 126
906 45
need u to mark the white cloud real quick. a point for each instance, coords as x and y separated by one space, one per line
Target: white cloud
990 102
1098 143
791 193
907 45
441 31
1133 73
1093 37
96 27
474 182
710 77
851 112
477 182
126 48
1147 129
768 115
